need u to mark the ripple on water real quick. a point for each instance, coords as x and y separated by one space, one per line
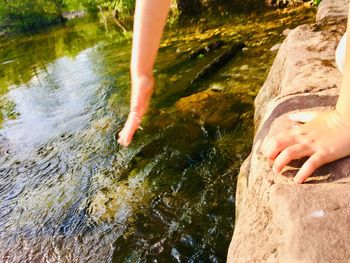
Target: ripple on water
5 210
52 103
15 191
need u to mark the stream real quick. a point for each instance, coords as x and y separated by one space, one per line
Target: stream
70 193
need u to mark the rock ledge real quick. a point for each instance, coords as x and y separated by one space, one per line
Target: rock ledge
277 220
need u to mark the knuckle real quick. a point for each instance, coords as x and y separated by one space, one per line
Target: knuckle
329 151
305 145
307 142
275 142
323 154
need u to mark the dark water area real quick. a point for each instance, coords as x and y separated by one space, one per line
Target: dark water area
70 193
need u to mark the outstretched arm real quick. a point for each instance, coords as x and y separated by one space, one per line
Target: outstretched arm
324 138
150 18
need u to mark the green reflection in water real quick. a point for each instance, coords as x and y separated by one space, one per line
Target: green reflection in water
71 194
23 58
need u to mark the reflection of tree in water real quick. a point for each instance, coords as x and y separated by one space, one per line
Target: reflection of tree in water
24 58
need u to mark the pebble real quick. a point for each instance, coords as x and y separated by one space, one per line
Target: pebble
244 67
276 47
217 87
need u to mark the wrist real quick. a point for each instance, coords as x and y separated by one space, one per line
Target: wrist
135 116
142 90
343 114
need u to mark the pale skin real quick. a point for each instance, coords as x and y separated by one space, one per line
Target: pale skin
324 137
150 18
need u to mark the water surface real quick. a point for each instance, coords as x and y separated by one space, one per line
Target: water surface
69 193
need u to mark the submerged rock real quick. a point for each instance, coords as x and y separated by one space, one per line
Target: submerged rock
244 67
206 49
215 109
219 61
217 87
116 201
277 220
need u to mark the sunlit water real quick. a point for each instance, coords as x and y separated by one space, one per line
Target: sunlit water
69 193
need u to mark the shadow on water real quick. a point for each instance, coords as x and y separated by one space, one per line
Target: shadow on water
69 193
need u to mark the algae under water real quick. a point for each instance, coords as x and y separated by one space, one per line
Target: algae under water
69 193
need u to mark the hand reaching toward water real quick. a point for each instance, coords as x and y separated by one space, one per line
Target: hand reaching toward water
325 137
129 129
141 93
150 18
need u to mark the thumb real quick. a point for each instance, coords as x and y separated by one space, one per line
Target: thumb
303 117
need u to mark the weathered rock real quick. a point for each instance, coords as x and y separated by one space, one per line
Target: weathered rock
213 55
328 11
305 63
277 220
206 49
219 61
213 108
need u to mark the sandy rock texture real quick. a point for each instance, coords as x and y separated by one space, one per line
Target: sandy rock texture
277 220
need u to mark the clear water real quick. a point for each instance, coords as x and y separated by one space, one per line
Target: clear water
69 193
